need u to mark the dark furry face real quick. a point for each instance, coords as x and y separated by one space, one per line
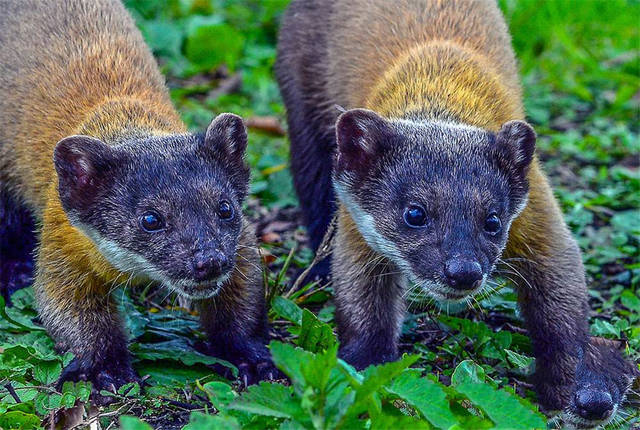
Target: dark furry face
165 207
436 199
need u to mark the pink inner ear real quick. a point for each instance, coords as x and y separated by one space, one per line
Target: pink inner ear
351 136
81 172
83 180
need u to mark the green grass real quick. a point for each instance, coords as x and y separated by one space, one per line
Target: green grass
580 66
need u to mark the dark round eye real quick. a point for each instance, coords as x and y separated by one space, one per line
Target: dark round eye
151 221
415 216
225 210
492 224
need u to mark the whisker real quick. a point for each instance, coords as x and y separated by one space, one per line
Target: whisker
516 272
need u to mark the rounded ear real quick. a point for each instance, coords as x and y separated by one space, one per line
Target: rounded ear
361 136
83 164
228 134
519 140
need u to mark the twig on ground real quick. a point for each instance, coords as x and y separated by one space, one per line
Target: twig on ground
12 391
268 124
323 252
226 86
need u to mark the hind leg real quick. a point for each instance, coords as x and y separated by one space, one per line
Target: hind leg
17 242
312 144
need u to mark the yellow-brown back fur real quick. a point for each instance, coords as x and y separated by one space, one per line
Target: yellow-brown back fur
63 72
443 59
447 58
422 60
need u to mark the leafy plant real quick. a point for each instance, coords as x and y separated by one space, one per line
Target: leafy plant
581 76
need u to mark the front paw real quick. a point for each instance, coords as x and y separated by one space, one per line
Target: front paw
251 373
252 359
103 377
602 379
361 357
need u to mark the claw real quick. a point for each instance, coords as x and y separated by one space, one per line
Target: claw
103 378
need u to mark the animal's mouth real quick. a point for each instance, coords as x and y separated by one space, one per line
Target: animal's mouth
200 290
442 293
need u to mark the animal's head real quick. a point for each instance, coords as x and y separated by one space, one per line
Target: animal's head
168 207
435 198
603 378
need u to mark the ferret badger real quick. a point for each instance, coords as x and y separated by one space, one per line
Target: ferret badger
436 182
126 194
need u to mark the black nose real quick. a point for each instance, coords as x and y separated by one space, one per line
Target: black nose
593 404
463 274
209 265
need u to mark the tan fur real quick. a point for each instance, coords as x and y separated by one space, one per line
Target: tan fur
78 67
441 59
425 51
449 60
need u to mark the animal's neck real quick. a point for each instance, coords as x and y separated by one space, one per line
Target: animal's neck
443 80
118 120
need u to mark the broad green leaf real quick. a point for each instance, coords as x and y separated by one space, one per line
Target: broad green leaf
467 371
291 425
339 398
80 390
315 335
287 310
504 409
219 394
200 421
519 360
303 367
630 300
426 396
19 420
177 349
133 423
290 360
210 45
25 323
131 389
386 422
269 399
46 402
165 38
47 372
374 378
628 221
601 327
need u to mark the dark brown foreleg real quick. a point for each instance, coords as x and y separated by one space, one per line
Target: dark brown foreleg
235 320
76 307
369 303
544 261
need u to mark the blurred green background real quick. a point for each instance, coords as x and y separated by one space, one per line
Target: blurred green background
580 68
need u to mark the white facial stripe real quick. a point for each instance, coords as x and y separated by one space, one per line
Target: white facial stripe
521 207
367 227
130 262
